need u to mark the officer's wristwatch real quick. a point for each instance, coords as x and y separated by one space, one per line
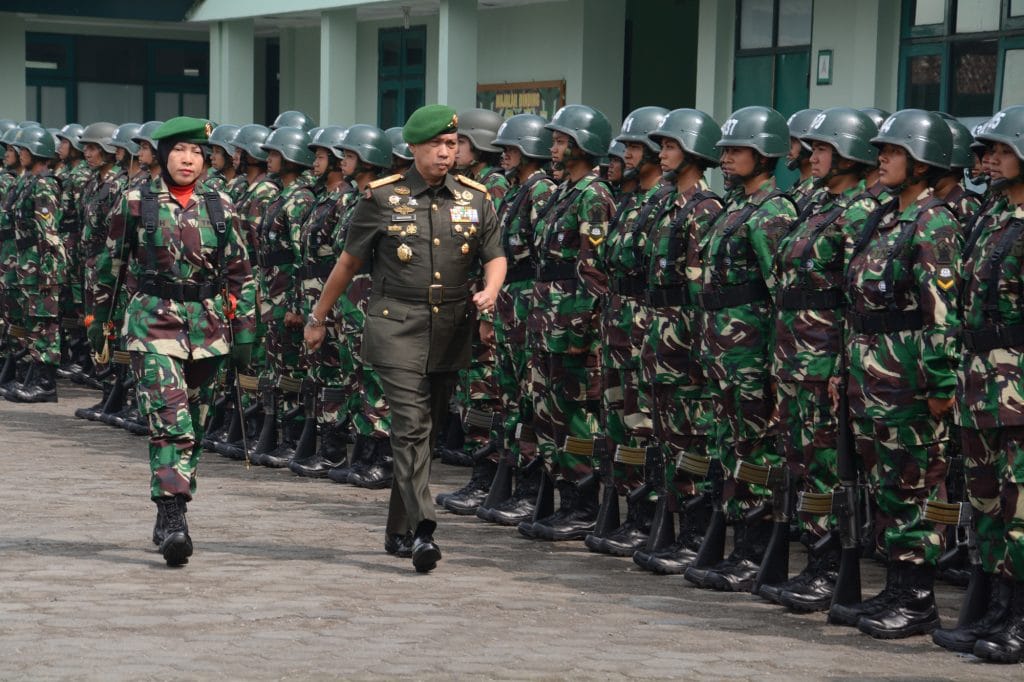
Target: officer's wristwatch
313 321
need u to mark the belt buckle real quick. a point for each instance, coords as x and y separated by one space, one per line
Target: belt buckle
435 294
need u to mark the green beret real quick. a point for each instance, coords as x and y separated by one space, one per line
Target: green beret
428 122
185 129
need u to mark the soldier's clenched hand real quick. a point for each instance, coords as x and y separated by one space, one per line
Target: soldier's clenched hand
314 336
939 406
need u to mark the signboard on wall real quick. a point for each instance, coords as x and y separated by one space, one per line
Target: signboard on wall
543 98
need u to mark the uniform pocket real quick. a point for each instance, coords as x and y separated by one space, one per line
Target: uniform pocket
388 309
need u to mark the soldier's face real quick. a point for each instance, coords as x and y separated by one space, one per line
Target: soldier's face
738 161
435 157
236 158
320 160
120 155
184 163
218 159
1003 163
559 146
274 161
821 159
671 155
93 154
64 151
794 149
147 157
10 156
510 158
616 168
634 155
25 158
349 161
892 165
464 156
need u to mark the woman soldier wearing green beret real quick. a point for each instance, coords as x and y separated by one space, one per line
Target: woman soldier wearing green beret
181 258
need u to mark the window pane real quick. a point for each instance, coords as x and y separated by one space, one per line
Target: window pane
756 23
795 22
389 108
390 49
1017 8
102 60
165 105
109 102
415 50
413 100
929 12
974 79
753 82
977 15
174 63
1013 77
54 112
51 56
193 104
923 81
31 111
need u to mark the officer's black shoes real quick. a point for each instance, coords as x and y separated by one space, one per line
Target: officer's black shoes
398 545
963 637
850 614
425 552
176 546
43 388
813 588
380 472
911 612
466 499
1006 645
579 517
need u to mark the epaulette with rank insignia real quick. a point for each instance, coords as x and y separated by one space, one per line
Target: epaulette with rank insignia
471 183
385 181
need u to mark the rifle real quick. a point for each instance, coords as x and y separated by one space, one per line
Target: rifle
775 563
305 446
663 532
957 554
229 315
608 513
846 507
477 421
960 517
712 549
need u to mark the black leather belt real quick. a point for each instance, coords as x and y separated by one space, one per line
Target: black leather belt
520 272
733 295
277 258
987 338
175 291
661 297
318 270
628 286
795 298
435 294
887 322
556 271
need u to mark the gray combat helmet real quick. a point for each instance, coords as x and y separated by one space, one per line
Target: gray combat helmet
480 126
123 137
849 131
587 126
526 132
618 150
977 146
800 122
292 144
38 141
250 139
30 124
293 119
639 123
924 136
399 147
5 125
223 136
328 138
876 115
100 134
961 156
72 132
760 128
9 135
696 132
1007 127
370 143
145 133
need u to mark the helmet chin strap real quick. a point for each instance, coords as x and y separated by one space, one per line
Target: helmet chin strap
761 166
793 164
673 175
834 171
909 179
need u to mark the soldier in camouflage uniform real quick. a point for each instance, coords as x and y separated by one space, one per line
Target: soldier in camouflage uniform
527 146
179 254
479 160
901 286
42 266
623 326
808 337
279 257
874 186
127 154
75 175
799 157
623 183
989 396
11 181
964 203
563 326
222 162
738 254
401 157
674 391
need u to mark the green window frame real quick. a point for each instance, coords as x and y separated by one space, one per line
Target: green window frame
401 73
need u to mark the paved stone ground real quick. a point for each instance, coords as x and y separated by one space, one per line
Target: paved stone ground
289 581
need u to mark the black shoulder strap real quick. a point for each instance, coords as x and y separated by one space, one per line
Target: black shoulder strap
150 214
906 234
744 216
675 237
827 220
995 259
655 201
974 229
215 209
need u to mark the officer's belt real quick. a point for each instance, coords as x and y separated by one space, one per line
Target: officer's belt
177 291
796 298
885 323
660 297
276 258
628 286
435 294
520 272
733 295
26 242
987 338
319 270
554 272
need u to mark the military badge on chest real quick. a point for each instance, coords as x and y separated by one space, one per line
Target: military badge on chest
403 222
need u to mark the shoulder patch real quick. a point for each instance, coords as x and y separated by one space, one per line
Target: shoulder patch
471 183
385 181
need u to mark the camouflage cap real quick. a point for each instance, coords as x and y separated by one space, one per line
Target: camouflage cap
185 129
428 122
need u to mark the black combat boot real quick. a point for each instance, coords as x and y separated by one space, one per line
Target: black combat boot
450 442
813 588
43 389
964 636
425 552
522 503
305 447
219 420
1006 645
380 471
176 545
330 454
14 367
839 614
361 458
577 520
466 499
267 440
499 490
912 612
23 374
291 431
544 506
739 571
675 558
92 413
633 533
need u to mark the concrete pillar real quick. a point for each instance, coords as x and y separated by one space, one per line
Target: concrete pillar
456 54
231 71
715 52
338 29
12 66
300 70
602 48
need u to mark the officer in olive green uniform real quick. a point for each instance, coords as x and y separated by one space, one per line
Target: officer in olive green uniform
424 232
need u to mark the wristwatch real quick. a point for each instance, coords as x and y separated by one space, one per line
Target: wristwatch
313 321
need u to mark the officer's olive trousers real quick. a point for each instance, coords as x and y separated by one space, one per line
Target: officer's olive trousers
419 403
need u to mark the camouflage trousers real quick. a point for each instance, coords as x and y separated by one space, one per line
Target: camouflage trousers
682 420
477 389
742 411
512 366
566 397
906 466
330 366
994 461
371 414
285 355
42 322
807 437
174 395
